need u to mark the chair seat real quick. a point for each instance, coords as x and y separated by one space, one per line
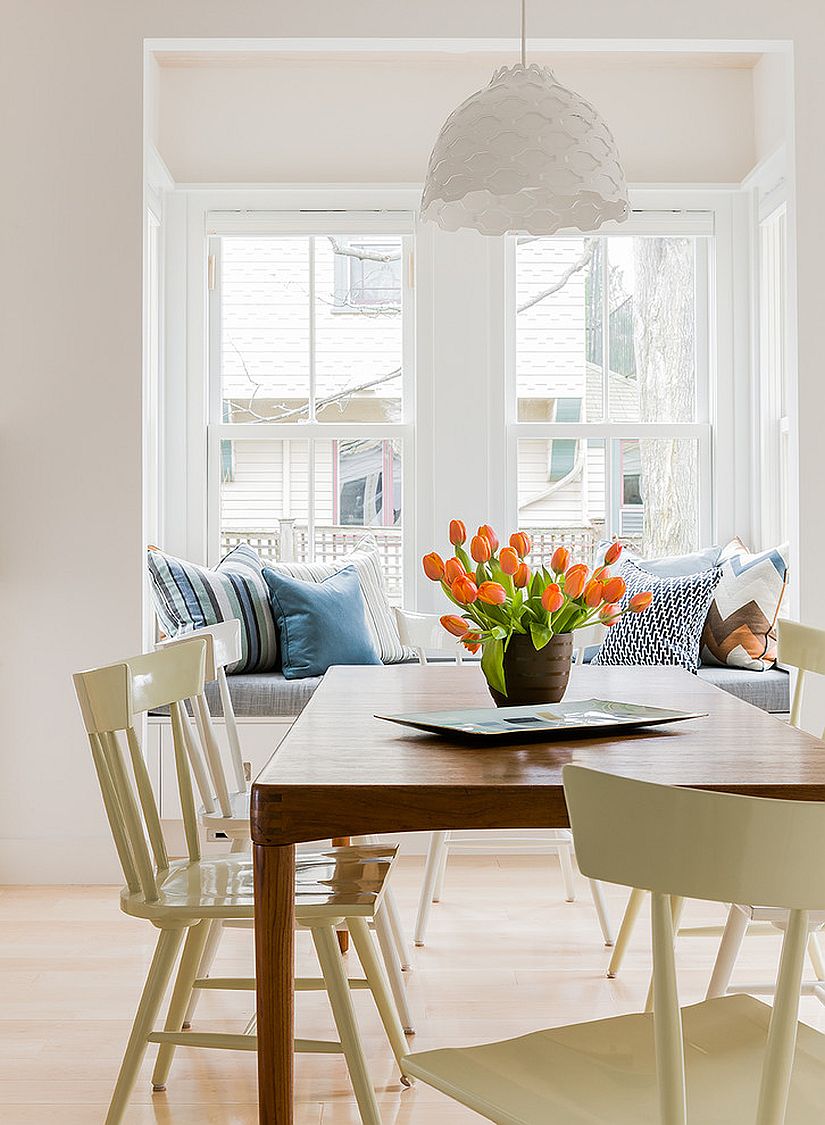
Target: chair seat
339 882
778 917
239 818
605 1071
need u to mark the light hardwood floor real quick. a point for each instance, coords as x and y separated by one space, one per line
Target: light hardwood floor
505 955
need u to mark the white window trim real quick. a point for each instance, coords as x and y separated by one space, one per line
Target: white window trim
428 462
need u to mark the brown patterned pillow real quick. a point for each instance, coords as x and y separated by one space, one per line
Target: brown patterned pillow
740 630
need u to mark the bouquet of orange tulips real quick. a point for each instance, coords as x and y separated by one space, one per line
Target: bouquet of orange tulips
499 595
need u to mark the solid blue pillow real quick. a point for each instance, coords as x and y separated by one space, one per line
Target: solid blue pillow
321 623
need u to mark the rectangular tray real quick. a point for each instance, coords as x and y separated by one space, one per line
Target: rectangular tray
546 720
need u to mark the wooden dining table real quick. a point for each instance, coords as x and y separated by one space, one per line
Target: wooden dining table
343 772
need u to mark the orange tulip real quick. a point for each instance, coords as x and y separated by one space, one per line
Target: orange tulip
593 593
609 614
522 576
639 602
613 551
560 560
509 560
464 590
481 548
455 624
520 542
574 580
453 568
493 593
614 589
474 647
601 574
552 598
433 566
458 532
490 536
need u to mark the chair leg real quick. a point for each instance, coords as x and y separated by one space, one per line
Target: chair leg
438 889
677 906
438 843
343 1012
389 952
631 913
210 949
160 971
732 936
191 958
397 929
600 903
379 986
566 864
815 955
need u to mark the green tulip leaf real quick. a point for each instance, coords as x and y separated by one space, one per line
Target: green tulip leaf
492 665
541 634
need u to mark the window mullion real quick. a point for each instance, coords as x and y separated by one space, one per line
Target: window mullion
605 276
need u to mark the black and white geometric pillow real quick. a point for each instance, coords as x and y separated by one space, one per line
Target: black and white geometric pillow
670 630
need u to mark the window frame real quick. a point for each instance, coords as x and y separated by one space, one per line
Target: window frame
706 222
256 224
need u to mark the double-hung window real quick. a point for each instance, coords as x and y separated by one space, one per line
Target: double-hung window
610 431
311 344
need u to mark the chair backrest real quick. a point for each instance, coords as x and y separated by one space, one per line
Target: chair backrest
803 647
584 638
423 633
720 847
110 699
215 783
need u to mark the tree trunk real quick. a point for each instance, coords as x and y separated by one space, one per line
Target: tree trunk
664 333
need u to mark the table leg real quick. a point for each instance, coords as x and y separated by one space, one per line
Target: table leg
274 969
343 936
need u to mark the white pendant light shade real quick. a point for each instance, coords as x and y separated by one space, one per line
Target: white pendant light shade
524 154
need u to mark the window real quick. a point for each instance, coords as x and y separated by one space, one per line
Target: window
309 337
611 433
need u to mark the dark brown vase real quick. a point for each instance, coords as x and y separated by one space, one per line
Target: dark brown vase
535 676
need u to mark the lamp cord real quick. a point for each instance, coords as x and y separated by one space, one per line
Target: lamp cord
523 39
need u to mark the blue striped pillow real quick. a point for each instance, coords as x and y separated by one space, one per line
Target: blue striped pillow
187 597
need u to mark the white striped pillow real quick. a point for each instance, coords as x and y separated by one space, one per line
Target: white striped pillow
366 560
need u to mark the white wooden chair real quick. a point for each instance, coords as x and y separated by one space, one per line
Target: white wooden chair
423 633
182 898
225 796
802 647
728 1061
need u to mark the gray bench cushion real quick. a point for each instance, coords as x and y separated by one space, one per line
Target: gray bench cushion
770 690
269 695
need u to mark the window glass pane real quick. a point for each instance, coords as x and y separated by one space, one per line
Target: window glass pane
265 499
358 488
558 327
358 329
570 511
264 339
656 495
651 329
354 490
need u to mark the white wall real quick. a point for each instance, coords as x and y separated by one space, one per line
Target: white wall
770 105
70 196
310 119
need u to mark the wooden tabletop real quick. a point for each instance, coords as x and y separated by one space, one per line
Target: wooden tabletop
341 771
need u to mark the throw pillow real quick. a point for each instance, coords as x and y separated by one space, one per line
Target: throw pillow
668 565
669 631
321 623
740 630
188 596
367 562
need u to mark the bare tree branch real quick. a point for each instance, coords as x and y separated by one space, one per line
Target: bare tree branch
578 265
362 255
321 403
